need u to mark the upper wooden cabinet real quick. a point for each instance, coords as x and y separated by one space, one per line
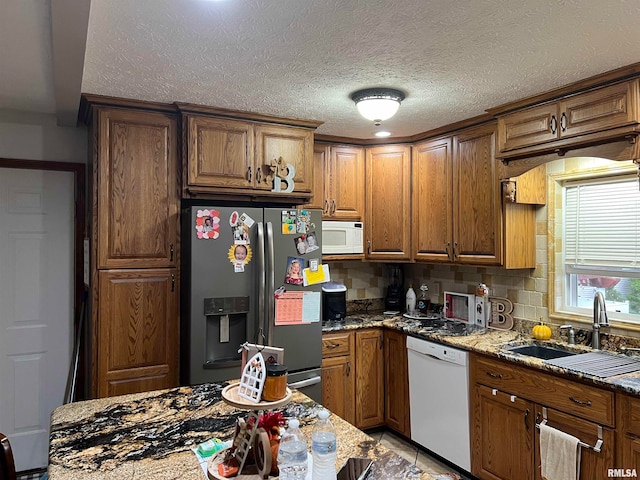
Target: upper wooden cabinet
600 115
457 216
137 191
338 182
388 203
233 156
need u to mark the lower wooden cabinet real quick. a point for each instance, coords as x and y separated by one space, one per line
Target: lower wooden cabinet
396 382
138 330
510 400
628 408
338 377
352 376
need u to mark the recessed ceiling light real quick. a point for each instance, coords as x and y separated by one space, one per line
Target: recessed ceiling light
383 133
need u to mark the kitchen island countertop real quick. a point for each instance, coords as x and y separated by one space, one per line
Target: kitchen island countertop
150 435
489 342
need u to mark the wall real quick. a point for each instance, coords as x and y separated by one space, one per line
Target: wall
30 136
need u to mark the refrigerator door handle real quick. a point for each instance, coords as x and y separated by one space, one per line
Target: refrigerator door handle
261 274
305 383
270 287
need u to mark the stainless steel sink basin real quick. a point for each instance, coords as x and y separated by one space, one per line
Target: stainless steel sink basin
540 351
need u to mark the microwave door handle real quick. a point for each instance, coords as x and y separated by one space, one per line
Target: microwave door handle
270 283
260 278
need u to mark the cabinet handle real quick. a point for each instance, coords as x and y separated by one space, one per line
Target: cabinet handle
494 375
325 210
455 250
553 125
446 249
173 282
526 419
171 252
368 246
259 175
581 402
333 210
249 174
563 122
332 346
348 368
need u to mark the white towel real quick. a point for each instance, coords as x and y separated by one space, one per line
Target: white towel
559 454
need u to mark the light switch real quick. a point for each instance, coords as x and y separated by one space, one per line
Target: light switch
224 329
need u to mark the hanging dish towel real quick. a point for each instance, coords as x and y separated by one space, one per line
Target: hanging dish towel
559 454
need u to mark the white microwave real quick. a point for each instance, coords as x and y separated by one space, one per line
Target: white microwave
340 237
467 307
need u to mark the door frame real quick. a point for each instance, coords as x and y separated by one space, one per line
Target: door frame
80 231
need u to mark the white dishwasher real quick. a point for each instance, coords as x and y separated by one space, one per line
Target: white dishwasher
439 400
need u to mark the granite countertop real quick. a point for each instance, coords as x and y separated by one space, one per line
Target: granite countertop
150 435
490 342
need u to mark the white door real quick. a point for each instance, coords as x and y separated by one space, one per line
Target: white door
36 305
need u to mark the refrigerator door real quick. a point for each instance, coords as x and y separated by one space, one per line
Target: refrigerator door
223 307
303 342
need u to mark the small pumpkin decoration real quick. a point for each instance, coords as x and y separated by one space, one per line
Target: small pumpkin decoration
541 332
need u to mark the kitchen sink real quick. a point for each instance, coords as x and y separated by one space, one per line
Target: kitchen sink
540 351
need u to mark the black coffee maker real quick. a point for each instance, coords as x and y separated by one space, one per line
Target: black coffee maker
395 291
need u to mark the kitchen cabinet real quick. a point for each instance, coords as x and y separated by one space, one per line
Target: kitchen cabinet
628 408
369 378
352 376
134 249
388 203
456 199
599 115
236 156
396 382
338 182
505 441
137 330
338 376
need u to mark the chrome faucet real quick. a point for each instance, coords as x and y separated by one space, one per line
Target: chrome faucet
599 318
571 335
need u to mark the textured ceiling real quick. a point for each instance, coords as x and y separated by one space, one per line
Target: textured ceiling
302 58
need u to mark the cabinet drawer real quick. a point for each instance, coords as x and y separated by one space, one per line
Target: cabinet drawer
335 344
575 398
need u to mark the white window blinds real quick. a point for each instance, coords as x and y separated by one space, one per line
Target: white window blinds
602 223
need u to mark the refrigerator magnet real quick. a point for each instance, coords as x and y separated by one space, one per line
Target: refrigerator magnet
294 271
247 220
312 242
207 224
301 244
289 222
239 254
240 233
303 221
233 218
313 264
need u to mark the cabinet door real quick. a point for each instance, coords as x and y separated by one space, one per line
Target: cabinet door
294 145
502 436
319 200
477 213
369 378
528 127
630 453
599 110
219 153
138 339
396 382
138 194
338 386
432 215
346 183
592 464
388 203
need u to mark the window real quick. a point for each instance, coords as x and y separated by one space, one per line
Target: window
601 246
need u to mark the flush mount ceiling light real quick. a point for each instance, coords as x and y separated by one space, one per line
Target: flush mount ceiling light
377 104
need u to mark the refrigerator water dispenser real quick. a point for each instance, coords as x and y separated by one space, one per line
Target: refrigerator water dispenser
225 330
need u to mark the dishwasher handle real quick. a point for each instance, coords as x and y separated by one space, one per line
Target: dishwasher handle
305 383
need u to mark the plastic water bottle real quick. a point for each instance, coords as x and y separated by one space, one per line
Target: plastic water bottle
411 300
323 448
292 453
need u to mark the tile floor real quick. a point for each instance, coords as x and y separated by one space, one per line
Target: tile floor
413 454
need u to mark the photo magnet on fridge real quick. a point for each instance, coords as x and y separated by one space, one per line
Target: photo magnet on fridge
239 255
294 271
207 224
289 222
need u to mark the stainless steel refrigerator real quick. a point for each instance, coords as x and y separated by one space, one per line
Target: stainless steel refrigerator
234 259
